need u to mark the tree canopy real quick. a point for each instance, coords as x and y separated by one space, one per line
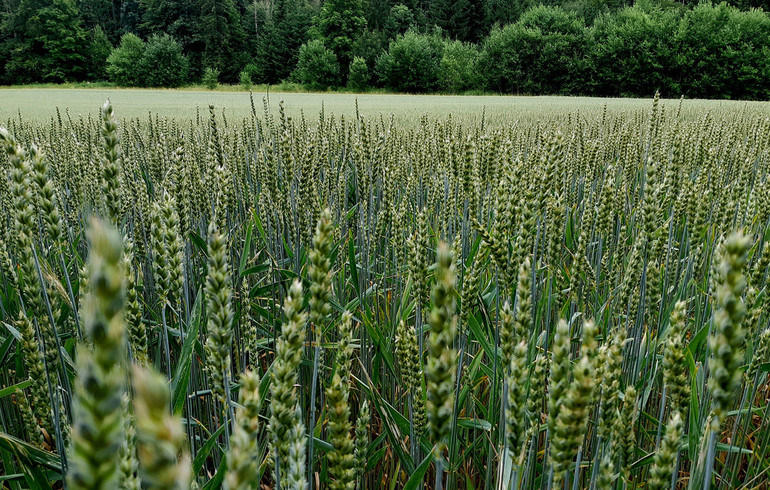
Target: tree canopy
592 47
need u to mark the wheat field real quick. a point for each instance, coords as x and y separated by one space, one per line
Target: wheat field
572 299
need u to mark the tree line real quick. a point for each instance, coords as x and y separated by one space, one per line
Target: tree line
580 47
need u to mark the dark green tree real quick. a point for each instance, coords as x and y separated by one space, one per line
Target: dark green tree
317 66
163 64
280 35
50 43
543 53
458 19
106 14
377 13
358 77
98 52
458 69
123 62
177 18
130 15
339 25
370 45
223 38
724 53
412 63
751 4
400 20
633 52
503 12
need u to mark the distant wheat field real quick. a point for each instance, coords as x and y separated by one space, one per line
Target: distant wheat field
35 105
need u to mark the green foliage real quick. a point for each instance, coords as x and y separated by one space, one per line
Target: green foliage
281 32
252 71
575 47
50 43
458 70
317 67
223 38
632 52
411 63
370 46
339 24
163 64
541 53
376 13
503 12
503 62
245 79
99 50
157 63
58 30
400 20
459 19
210 78
722 52
358 77
123 61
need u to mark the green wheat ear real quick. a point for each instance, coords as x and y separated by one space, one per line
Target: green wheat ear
623 435
283 406
220 320
136 329
665 458
129 465
761 354
243 458
674 363
164 463
97 433
441 368
319 271
515 414
31 426
574 409
727 341
111 181
362 439
341 457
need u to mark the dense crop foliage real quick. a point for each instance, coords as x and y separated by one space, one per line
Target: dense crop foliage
579 302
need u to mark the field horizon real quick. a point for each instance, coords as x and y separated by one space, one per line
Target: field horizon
39 104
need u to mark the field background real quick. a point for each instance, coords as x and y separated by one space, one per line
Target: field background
36 105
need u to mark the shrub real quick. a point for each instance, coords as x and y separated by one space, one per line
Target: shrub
124 60
211 78
633 52
400 20
163 64
458 68
358 78
411 63
542 53
98 53
245 80
369 47
317 67
723 52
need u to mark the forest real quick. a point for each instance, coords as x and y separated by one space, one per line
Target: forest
572 47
